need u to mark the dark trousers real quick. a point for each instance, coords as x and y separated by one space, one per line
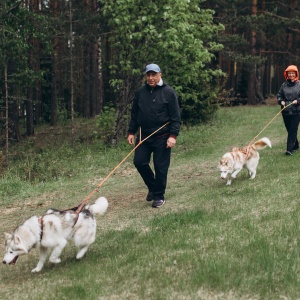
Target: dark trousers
291 123
155 181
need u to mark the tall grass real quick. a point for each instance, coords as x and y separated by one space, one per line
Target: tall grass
209 241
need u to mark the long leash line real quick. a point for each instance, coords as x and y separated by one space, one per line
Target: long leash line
249 145
268 124
84 202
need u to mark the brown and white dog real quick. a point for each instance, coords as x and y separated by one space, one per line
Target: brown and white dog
233 162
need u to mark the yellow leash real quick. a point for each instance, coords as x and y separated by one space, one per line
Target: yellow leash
83 203
269 123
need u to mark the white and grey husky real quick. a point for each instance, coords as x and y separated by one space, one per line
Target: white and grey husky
52 231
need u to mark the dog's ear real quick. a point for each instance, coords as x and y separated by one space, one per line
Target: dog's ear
223 161
7 236
18 241
229 163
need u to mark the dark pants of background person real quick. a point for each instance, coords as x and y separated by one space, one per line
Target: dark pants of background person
156 182
291 123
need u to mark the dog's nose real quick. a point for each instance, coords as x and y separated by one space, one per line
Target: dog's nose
4 262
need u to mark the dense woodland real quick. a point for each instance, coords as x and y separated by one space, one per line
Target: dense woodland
65 59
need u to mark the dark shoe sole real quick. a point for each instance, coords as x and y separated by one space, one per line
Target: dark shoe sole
158 204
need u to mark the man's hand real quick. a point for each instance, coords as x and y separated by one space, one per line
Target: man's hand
171 142
130 139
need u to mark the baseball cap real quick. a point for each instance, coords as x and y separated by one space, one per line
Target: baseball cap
152 67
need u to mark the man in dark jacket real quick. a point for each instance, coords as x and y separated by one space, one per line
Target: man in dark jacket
154 105
289 96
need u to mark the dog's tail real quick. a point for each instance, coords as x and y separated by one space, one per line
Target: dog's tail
262 143
99 207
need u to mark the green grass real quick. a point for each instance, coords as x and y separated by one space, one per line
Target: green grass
209 241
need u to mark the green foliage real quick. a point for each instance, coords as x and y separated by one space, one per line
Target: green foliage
272 23
42 167
199 99
177 35
19 25
105 122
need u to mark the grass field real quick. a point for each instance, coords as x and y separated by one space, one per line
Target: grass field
209 241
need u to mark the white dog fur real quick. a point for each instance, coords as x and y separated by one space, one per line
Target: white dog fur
52 231
233 162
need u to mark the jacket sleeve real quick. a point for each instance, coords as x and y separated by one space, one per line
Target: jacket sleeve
280 95
133 124
298 95
174 113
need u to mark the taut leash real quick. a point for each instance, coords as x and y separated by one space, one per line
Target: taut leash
269 123
84 202
249 145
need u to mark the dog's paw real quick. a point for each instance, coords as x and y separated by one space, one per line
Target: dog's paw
228 183
35 270
55 261
79 255
81 252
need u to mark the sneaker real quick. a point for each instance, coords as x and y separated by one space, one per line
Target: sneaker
158 203
288 153
150 196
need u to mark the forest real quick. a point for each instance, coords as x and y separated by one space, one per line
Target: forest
67 59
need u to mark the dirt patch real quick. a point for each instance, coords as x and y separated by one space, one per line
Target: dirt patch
271 100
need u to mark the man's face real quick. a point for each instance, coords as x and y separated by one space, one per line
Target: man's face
153 78
291 75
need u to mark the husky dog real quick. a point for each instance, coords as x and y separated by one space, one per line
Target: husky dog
233 162
52 231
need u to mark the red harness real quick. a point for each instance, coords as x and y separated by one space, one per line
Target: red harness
245 152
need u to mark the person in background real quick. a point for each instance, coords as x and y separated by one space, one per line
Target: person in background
289 95
154 105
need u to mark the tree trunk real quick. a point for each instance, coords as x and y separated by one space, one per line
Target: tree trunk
29 112
53 121
251 93
6 115
94 79
123 96
259 94
100 77
71 73
87 86
55 42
